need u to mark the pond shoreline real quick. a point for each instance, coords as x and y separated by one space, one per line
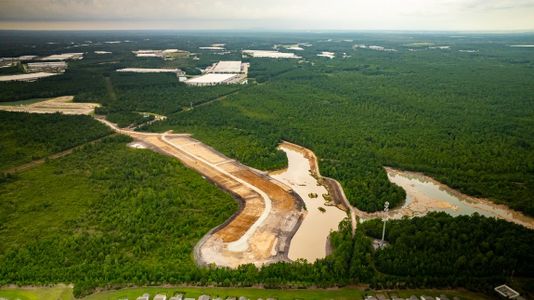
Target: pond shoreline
322 215
425 194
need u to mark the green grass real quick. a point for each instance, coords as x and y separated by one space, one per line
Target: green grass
255 293
64 292
59 292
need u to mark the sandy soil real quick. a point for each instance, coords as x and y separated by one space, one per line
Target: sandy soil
270 212
62 105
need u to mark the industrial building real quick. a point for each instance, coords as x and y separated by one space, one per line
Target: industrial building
223 72
51 67
6 62
64 56
228 67
178 72
268 54
215 79
165 54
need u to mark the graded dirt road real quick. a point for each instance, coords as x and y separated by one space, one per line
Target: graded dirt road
62 105
270 212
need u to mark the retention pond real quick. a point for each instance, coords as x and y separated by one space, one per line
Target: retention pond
310 240
424 194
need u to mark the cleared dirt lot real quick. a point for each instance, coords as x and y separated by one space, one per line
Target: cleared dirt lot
261 231
62 105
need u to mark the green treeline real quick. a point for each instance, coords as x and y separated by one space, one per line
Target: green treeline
26 137
441 250
436 246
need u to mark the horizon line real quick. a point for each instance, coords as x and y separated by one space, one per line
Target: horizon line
277 30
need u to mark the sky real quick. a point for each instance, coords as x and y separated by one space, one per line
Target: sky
427 15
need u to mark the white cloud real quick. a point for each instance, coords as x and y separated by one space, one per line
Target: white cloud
279 14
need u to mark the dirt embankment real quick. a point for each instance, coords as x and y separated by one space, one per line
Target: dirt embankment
269 213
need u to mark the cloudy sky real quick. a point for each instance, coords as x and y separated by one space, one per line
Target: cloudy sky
469 15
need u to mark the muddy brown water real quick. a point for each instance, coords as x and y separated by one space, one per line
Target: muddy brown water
309 242
424 194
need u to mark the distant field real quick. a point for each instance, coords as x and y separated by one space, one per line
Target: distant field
59 292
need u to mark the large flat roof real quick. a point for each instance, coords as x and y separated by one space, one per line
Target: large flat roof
148 70
48 64
229 66
270 54
211 78
63 56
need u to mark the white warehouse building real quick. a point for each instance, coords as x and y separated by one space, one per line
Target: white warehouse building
223 72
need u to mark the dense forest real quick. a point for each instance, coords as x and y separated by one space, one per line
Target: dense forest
440 250
106 214
464 118
434 246
25 137
156 93
430 112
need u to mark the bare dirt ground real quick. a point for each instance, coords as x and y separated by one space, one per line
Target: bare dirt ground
270 212
62 105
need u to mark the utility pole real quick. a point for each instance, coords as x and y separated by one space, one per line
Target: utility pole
386 209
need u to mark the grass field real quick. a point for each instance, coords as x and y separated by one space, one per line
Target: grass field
64 292
59 292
